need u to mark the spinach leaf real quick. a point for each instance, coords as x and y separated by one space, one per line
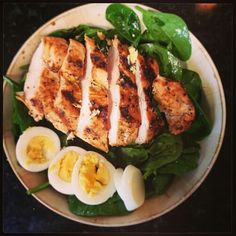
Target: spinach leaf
166 27
134 156
165 149
113 206
75 31
130 155
169 65
125 21
157 184
20 117
192 83
201 126
186 162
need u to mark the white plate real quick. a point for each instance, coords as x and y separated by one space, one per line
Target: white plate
182 188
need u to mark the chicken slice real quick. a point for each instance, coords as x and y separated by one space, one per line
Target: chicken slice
93 121
175 103
30 95
124 109
151 121
42 81
54 52
69 97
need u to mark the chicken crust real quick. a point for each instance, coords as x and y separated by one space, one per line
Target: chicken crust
175 103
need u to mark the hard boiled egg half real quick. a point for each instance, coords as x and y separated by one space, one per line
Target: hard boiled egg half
92 179
130 186
61 167
36 147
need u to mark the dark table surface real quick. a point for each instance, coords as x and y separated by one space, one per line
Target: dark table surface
209 208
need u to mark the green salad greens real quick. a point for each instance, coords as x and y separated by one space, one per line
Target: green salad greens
167 39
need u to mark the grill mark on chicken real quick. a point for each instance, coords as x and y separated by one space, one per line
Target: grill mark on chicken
175 103
69 96
125 81
98 59
76 62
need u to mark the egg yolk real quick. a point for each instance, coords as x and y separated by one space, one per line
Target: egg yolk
37 149
93 174
66 164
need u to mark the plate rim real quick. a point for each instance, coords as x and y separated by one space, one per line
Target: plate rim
194 187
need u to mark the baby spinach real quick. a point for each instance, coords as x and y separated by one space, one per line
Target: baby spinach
132 154
113 206
165 149
192 83
166 27
125 21
20 117
186 162
157 184
169 65
76 31
201 126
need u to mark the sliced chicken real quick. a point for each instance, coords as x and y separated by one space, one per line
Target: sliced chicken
54 52
69 97
93 121
175 103
151 122
42 82
30 96
124 109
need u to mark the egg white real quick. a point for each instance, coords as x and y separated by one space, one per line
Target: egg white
103 195
117 180
55 181
22 144
130 187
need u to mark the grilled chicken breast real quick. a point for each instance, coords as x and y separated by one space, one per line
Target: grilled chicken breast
102 99
93 121
151 122
42 82
124 108
69 97
175 103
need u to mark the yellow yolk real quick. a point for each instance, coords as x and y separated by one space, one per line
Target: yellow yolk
66 164
93 174
37 149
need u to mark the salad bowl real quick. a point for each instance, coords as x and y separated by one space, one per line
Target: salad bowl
182 187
